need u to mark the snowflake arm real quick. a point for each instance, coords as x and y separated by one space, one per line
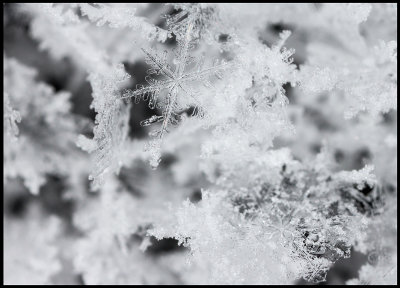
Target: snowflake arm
159 64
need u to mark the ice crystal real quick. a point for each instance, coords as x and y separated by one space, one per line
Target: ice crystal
176 83
201 15
111 128
292 214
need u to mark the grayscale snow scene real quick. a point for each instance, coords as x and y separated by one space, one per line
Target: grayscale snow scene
200 143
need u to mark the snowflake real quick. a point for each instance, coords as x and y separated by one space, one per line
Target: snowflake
176 81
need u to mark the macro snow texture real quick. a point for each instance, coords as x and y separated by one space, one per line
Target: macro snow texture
199 143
